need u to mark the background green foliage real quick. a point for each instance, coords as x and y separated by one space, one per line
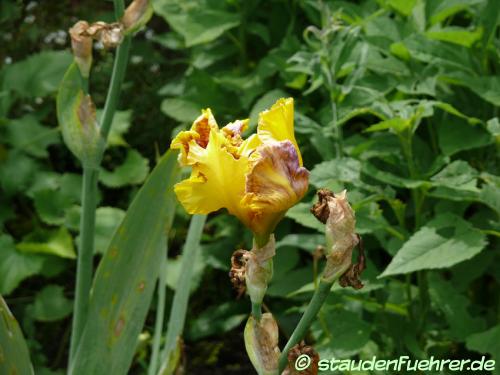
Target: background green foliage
396 100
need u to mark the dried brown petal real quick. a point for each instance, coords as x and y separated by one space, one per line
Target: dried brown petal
352 276
81 43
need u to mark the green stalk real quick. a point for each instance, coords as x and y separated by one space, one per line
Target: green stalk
89 194
305 322
160 316
119 68
183 289
85 254
257 311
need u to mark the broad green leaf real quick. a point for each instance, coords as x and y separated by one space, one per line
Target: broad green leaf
441 243
335 171
180 109
183 289
28 135
265 102
119 127
396 124
487 87
197 23
17 171
15 266
456 35
403 6
38 75
448 8
107 221
301 213
52 205
53 242
389 178
281 287
51 304
217 319
14 353
457 175
307 242
454 306
455 135
487 342
133 171
348 331
126 277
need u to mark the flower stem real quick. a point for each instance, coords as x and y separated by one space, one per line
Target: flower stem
160 316
256 311
85 254
89 193
305 322
119 68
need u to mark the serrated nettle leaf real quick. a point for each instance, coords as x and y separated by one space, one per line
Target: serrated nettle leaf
14 353
51 205
133 171
53 242
51 304
15 266
441 243
307 242
454 306
126 277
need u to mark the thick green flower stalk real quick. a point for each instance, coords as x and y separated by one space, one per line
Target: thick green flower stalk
85 135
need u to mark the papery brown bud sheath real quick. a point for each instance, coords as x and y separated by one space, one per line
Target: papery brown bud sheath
81 43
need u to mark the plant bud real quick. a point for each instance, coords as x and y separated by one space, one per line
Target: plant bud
137 15
81 43
261 343
259 270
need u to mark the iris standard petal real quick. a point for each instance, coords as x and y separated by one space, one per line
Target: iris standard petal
276 124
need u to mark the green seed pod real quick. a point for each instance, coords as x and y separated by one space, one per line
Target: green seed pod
77 118
261 343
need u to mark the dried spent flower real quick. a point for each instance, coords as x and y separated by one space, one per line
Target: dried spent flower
81 43
335 212
297 354
237 273
109 34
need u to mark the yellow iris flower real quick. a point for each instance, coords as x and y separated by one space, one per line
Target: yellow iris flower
257 179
